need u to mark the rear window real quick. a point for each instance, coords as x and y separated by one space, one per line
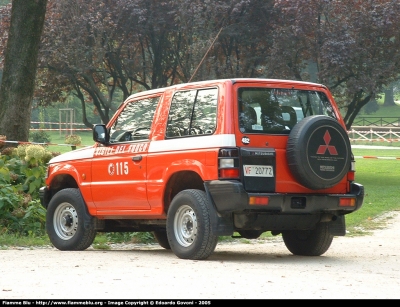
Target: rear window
274 110
193 113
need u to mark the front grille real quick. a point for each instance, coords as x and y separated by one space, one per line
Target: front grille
258 157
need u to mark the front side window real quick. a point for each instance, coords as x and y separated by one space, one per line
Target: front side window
266 110
135 121
193 112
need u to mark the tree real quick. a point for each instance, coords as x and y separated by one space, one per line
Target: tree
241 48
116 45
96 50
353 43
20 64
73 53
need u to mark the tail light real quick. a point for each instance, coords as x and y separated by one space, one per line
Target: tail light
347 202
351 174
258 200
228 163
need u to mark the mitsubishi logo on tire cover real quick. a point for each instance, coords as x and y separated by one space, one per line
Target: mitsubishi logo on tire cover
327 152
323 148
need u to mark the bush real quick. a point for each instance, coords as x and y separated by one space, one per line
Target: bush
22 174
73 139
39 136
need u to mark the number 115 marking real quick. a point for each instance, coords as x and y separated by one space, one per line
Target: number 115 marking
122 168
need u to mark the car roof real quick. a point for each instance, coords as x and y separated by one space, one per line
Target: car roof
219 81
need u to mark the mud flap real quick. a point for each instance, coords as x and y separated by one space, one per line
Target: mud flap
338 226
222 225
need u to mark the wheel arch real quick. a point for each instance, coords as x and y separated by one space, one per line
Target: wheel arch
179 181
60 182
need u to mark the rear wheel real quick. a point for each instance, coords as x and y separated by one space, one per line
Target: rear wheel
308 242
189 228
68 224
162 238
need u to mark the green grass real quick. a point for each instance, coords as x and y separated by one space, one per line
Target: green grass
381 181
59 141
384 111
7 241
376 152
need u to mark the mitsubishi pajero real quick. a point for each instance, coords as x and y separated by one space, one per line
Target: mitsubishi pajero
196 161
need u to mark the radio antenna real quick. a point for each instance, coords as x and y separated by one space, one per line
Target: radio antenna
205 54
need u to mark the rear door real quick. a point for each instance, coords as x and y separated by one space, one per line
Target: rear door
266 114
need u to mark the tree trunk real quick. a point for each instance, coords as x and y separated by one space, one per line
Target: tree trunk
354 108
389 98
18 82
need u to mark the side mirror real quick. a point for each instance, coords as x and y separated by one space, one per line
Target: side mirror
100 134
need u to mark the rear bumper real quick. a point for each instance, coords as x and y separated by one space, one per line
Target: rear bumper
229 196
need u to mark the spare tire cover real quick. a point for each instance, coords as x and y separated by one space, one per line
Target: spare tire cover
318 152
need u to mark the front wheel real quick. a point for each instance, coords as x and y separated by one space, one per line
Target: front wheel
68 224
308 242
189 226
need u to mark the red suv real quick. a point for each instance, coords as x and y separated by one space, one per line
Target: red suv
192 162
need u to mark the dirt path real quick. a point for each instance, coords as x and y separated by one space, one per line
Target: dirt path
354 267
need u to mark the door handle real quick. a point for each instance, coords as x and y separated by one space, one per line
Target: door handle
137 158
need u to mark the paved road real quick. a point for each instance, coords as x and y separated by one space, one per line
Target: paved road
354 267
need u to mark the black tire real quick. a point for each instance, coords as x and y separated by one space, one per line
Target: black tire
308 242
189 228
68 224
162 238
250 234
318 152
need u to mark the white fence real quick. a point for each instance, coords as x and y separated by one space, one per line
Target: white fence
59 126
374 134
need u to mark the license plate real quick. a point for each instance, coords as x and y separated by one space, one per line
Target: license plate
258 170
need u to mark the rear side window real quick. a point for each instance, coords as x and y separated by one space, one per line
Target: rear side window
266 110
135 121
193 113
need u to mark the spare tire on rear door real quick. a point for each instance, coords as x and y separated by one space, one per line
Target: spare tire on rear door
318 152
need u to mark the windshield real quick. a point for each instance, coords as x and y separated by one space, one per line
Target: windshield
275 110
